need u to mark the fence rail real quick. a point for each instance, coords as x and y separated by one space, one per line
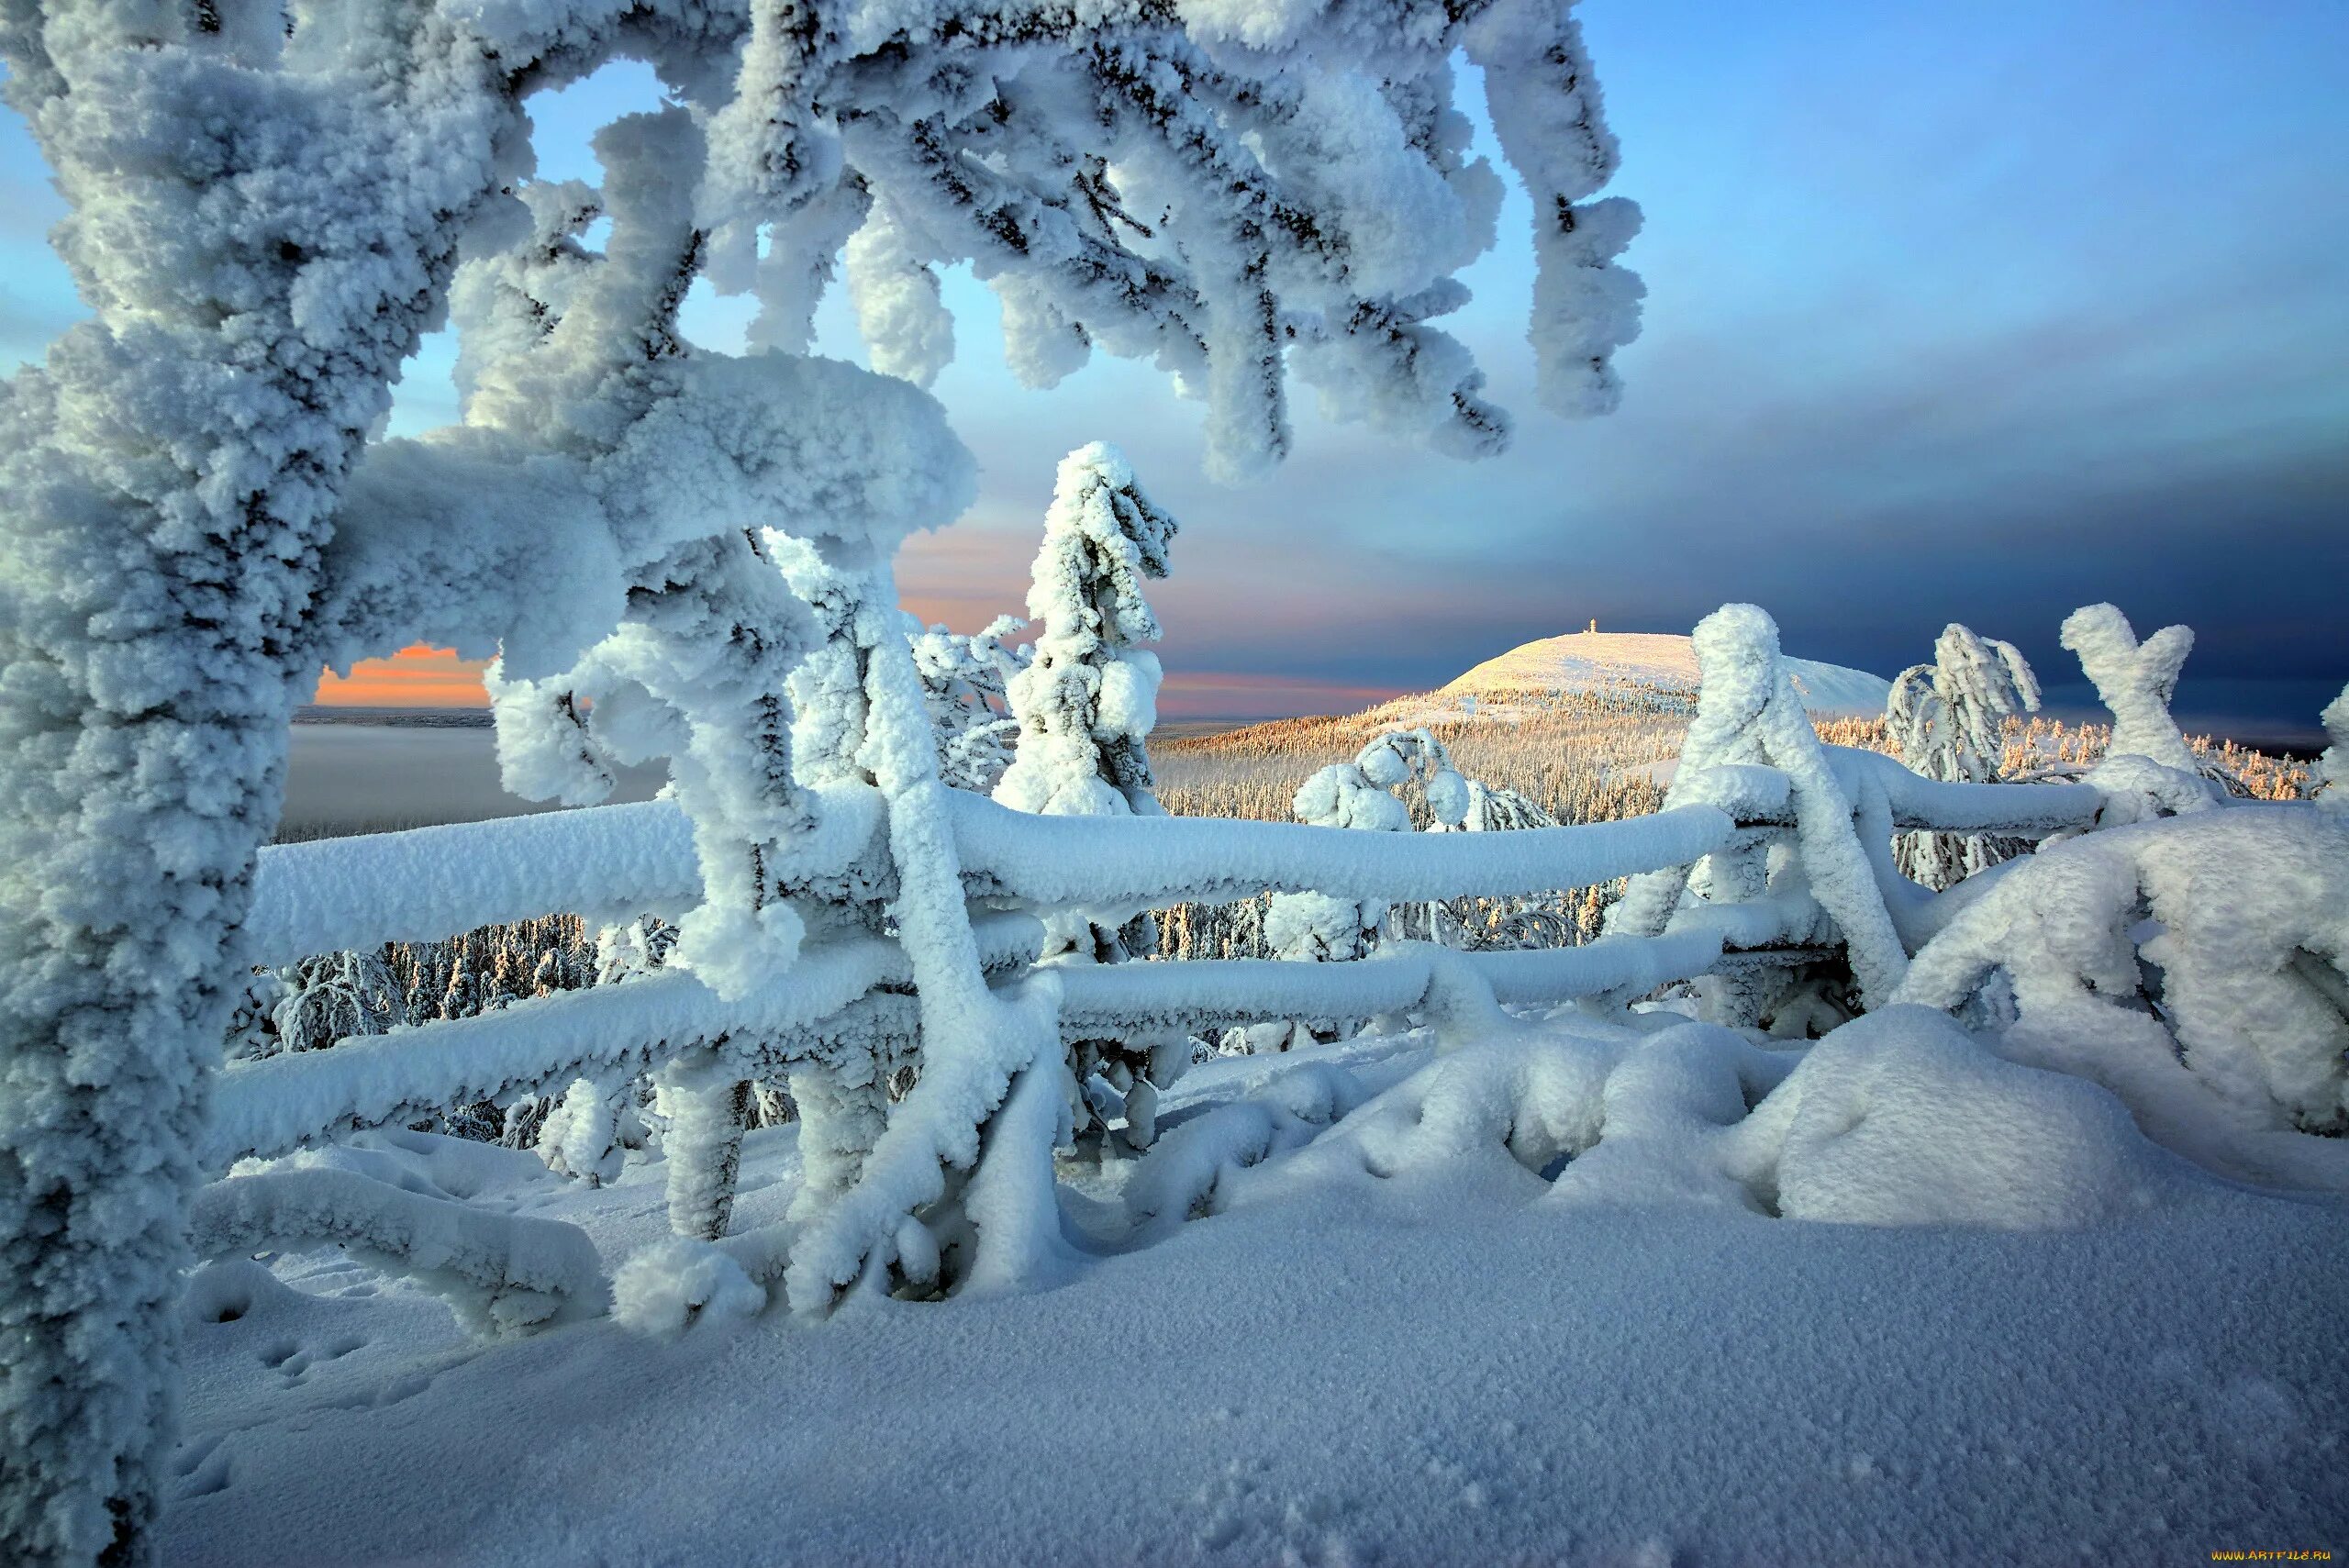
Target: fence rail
429 882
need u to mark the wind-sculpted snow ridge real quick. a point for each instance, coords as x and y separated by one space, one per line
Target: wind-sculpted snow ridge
2198 966
501 1272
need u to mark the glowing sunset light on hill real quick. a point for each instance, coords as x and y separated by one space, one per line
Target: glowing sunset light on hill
416 676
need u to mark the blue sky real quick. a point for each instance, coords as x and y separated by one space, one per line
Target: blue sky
1971 313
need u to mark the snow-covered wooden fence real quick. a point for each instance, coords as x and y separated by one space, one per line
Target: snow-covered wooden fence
617 862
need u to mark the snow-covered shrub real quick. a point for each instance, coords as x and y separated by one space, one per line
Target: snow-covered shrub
1900 1118
1948 721
967 681
2195 965
2331 789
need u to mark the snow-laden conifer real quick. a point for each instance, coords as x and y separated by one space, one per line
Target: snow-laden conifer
1947 721
1088 698
1085 704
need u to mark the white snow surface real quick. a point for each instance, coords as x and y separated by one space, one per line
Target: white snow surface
1553 1297
1634 661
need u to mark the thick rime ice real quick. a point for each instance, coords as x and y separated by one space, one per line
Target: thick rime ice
1947 721
2135 681
1244 187
682 556
262 225
1544 101
2198 966
1747 712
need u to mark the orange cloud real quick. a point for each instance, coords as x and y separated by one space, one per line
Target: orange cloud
436 677
414 677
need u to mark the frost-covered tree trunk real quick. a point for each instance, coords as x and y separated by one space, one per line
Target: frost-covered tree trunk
260 225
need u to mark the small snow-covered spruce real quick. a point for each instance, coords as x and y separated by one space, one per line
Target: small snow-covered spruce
1085 703
1947 721
1088 697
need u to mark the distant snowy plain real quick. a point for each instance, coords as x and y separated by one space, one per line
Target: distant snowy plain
372 778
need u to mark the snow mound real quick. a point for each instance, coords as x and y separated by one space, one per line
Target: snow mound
1632 660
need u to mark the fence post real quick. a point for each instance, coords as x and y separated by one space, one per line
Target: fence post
1748 712
709 1109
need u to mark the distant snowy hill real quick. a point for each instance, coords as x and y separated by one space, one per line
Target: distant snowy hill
1630 661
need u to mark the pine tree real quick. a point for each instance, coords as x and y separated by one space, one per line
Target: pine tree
1947 721
1085 703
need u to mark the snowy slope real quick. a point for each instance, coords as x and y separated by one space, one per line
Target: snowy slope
1592 660
1435 1363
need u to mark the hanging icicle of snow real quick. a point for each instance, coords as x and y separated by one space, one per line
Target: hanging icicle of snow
1545 101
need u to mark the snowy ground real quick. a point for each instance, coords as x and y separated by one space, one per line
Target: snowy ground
1440 1365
